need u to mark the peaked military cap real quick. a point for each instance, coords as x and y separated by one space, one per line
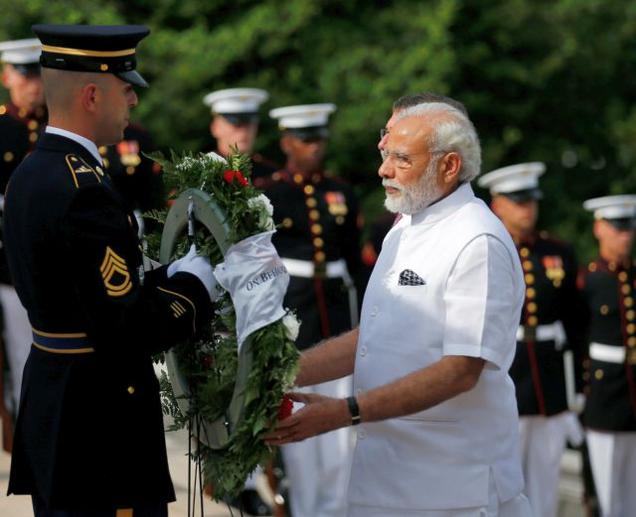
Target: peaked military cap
518 182
108 49
22 54
619 211
237 105
304 121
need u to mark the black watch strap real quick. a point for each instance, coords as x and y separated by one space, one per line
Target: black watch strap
354 410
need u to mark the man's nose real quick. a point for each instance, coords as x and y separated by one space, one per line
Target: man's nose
385 170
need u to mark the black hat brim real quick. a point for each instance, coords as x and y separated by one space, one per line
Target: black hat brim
237 119
133 77
623 223
308 133
521 196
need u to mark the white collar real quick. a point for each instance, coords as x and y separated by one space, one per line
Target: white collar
84 142
444 207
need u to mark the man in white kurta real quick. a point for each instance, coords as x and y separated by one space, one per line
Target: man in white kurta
439 424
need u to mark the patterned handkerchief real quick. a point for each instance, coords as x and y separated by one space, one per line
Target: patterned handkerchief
408 277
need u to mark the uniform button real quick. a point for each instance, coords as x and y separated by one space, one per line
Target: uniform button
628 301
630 315
33 137
3 110
631 342
131 390
598 374
362 434
287 222
626 289
529 278
622 276
532 321
532 307
298 178
311 202
363 350
102 150
314 215
316 229
319 256
612 266
8 156
309 189
340 220
524 252
527 265
318 242
33 125
130 170
586 376
592 267
276 176
106 162
631 328
530 292
604 310
22 113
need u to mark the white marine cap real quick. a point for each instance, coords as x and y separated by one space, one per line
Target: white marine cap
514 178
21 51
235 100
612 207
303 116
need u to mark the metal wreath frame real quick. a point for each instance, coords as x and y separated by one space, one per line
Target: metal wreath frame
196 205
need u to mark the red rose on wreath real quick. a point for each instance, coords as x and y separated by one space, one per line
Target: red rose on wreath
229 176
285 408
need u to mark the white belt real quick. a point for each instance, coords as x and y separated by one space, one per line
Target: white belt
552 332
607 353
307 269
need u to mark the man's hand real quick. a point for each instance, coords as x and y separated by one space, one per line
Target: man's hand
320 415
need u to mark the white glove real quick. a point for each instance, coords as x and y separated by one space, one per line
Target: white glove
200 267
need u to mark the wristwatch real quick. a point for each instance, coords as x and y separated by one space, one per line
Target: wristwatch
354 410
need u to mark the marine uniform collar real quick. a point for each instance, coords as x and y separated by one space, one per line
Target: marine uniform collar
84 142
444 207
62 144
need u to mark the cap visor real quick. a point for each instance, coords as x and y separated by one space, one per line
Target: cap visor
236 119
623 223
309 133
133 77
521 196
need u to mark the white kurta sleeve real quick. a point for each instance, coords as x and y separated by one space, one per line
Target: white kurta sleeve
482 303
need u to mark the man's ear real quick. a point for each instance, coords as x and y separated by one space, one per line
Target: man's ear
450 165
285 144
88 97
6 77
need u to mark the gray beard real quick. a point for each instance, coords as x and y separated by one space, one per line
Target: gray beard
414 198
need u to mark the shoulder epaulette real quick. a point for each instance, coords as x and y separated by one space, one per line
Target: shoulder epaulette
81 172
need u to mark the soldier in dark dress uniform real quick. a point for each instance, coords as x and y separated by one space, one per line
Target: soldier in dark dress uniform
234 122
138 178
609 284
318 241
21 120
550 336
89 435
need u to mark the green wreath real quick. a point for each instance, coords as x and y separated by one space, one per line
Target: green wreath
230 399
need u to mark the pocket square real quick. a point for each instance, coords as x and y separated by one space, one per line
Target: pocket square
408 277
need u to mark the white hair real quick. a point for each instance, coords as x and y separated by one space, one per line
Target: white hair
452 132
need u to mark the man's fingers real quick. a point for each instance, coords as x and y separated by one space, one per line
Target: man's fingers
296 396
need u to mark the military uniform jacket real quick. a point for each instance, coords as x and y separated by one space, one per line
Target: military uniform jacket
135 176
317 223
550 271
89 432
611 388
19 130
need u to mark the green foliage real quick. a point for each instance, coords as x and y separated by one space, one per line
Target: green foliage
550 80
